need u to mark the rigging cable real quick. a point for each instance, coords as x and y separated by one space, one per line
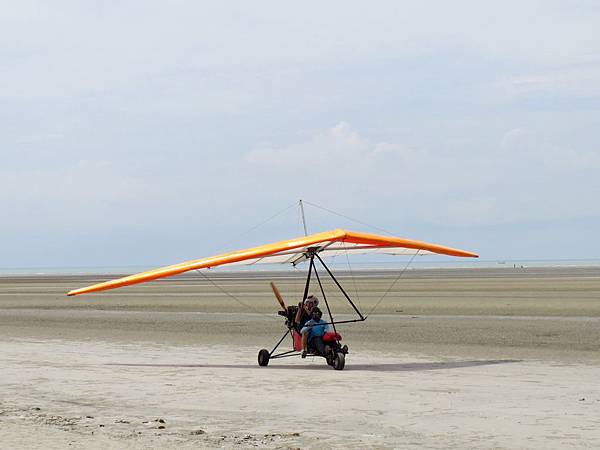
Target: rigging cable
250 307
347 217
376 228
235 239
393 284
352 275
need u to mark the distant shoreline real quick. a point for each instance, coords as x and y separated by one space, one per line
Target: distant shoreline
339 265
591 270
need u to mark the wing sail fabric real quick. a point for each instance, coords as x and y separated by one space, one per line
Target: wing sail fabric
328 243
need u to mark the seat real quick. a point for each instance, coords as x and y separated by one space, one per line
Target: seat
297 341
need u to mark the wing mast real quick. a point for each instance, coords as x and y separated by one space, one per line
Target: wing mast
303 218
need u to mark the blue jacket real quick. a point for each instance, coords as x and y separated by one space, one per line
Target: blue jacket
315 327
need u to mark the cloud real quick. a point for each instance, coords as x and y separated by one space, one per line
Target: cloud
525 180
573 82
185 114
339 148
528 178
336 163
86 194
104 46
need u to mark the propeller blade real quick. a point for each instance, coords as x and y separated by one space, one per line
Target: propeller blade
278 296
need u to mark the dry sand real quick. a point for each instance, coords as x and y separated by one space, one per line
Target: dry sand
450 359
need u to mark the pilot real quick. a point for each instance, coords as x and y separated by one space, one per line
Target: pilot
303 314
312 333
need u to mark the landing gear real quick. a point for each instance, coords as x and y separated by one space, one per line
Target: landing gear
332 351
339 361
263 357
336 357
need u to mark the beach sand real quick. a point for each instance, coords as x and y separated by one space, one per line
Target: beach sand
461 358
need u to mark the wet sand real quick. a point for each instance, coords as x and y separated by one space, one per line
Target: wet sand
479 358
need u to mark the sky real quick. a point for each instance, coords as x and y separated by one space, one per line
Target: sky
146 133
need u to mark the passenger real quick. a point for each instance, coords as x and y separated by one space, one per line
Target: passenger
303 314
312 333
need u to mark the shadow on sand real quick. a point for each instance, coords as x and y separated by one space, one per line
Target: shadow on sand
380 367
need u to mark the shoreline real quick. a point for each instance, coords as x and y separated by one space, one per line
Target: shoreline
588 270
340 267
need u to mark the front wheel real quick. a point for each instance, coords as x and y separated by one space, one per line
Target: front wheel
263 357
339 361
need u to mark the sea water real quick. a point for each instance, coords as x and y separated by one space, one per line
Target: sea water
337 263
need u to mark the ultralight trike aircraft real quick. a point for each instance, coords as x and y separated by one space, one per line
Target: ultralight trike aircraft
312 248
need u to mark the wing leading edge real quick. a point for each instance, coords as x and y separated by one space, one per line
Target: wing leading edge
291 251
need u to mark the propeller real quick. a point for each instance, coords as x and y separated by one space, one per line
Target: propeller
278 296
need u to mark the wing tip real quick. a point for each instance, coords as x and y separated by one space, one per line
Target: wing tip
463 254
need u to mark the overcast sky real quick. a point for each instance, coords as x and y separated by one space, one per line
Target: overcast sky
143 133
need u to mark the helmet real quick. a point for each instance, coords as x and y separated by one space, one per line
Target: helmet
311 299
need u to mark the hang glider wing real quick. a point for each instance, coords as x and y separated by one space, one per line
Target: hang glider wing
293 251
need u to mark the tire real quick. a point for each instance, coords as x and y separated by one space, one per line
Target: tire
329 355
263 357
339 361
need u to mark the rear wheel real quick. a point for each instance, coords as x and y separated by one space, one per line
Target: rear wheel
263 357
339 361
329 355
